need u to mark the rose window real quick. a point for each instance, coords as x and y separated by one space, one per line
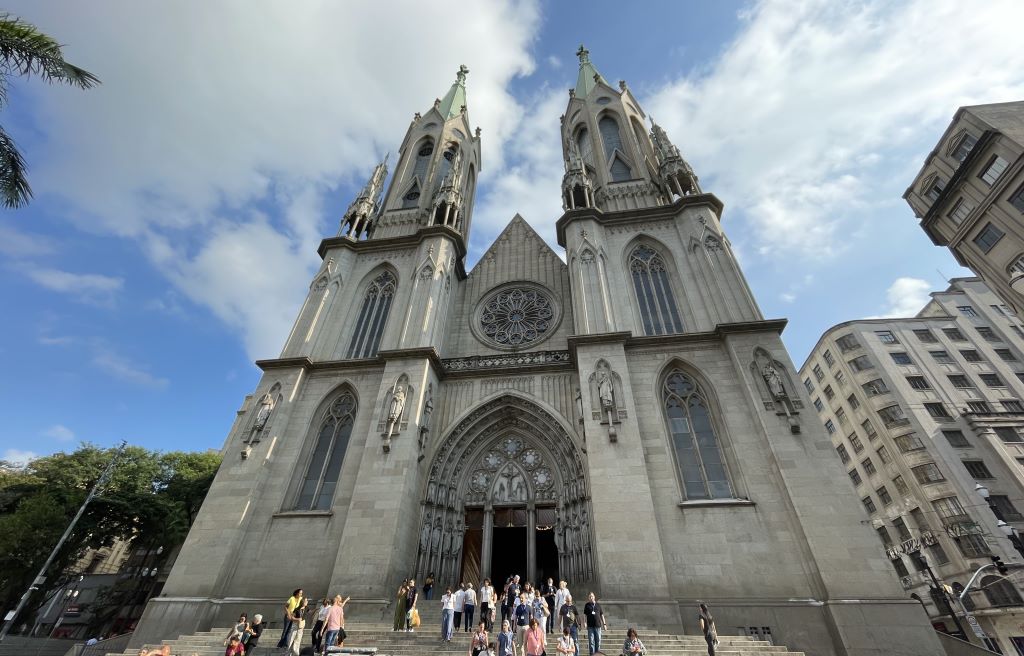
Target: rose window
516 317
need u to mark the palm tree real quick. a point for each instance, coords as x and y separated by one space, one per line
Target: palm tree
25 50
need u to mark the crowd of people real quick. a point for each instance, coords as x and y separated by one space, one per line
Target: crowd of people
328 627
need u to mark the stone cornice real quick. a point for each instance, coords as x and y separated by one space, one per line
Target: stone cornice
285 363
424 352
624 217
508 363
403 241
720 332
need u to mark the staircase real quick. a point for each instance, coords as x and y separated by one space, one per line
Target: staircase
427 640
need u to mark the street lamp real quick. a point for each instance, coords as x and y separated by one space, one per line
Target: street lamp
1007 530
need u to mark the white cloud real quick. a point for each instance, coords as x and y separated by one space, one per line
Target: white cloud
60 432
16 243
554 62
207 117
124 369
907 296
806 114
787 297
18 457
84 287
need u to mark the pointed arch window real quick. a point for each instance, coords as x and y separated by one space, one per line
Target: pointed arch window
411 197
698 453
321 479
658 309
373 317
423 154
584 146
612 138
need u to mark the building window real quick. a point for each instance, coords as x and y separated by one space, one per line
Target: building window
808 385
869 467
934 190
1000 592
893 416
901 358
956 438
1006 355
373 317
883 455
861 363
901 569
961 211
875 387
992 380
1017 331
852 400
830 427
855 477
698 453
967 310
1008 434
841 378
964 147
883 535
942 357
841 416
1020 377
988 237
1017 199
829 359
954 334
971 355
886 337
918 382
901 485
972 545
909 442
324 470
1012 405
988 334
927 473
995 168
818 405
925 336
653 292
829 394
855 442
901 529
818 373
977 469
949 508
1004 507
960 381
869 430
612 139
844 455
919 520
869 505
847 343
979 406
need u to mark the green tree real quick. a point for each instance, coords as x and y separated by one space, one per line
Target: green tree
25 51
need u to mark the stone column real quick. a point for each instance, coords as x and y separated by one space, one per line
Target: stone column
487 542
531 541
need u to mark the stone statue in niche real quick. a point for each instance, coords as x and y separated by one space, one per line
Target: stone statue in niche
773 388
428 409
510 486
397 404
774 381
605 390
605 394
263 414
395 410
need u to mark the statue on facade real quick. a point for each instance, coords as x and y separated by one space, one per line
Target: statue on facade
774 381
605 389
263 414
397 405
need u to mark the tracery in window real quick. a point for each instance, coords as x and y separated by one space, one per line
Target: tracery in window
584 145
698 453
614 149
324 470
658 310
373 317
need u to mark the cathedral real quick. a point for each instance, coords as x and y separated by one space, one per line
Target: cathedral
622 417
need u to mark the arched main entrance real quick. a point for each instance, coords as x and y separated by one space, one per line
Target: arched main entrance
506 494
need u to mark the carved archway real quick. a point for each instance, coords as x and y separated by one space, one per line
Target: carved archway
507 453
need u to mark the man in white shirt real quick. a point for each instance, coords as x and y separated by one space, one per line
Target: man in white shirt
460 601
563 592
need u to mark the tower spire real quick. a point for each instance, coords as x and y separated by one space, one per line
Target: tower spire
577 190
447 207
589 76
672 168
454 101
360 214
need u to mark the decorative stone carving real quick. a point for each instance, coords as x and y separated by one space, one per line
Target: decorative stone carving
263 412
773 382
517 317
506 361
428 410
605 395
394 410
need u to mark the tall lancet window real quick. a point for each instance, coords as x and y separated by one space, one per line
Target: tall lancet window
421 164
613 149
373 317
321 481
584 146
653 292
696 447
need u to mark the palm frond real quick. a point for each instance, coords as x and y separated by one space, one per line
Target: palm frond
24 50
15 191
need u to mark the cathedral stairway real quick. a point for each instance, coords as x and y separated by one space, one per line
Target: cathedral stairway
426 640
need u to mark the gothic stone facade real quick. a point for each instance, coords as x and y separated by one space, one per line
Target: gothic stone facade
625 419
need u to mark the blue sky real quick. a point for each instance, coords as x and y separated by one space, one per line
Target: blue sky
179 205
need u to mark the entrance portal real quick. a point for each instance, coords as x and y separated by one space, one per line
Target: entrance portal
508 554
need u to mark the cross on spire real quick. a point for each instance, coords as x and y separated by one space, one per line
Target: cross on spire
461 75
583 54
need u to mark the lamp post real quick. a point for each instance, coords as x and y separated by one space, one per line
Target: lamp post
1007 530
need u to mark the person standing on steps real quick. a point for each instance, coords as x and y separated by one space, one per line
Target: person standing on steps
335 626
428 587
289 608
255 631
707 627
447 614
560 593
479 642
523 615
298 625
469 606
487 604
548 590
460 601
506 640
632 646
595 622
566 645
411 596
318 626
571 620
400 606
536 639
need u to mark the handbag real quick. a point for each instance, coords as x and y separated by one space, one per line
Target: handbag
415 617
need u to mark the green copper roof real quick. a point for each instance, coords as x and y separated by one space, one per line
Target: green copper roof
455 99
586 82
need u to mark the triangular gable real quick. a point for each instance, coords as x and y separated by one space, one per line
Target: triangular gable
516 232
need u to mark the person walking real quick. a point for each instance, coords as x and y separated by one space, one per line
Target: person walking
318 626
447 614
428 587
548 590
560 593
239 629
411 596
506 640
566 645
487 604
523 616
255 631
595 622
334 628
469 606
234 646
298 626
460 601
400 606
289 608
707 627
539 610
571 620
479 642
536 639
632 646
